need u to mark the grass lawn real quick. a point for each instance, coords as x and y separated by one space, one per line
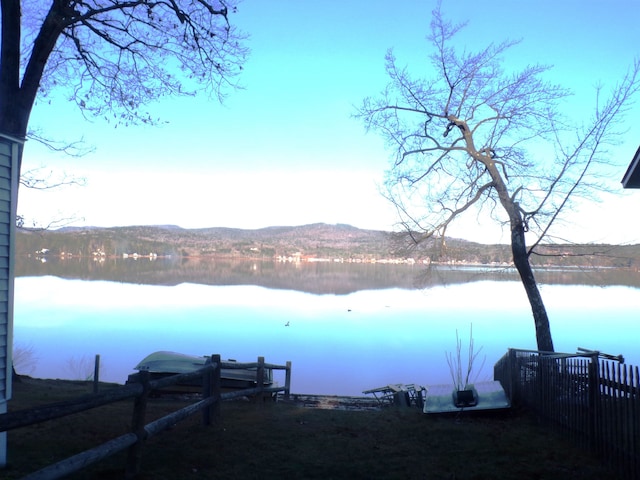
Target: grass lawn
287 441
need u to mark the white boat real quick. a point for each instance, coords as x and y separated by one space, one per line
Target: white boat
482 396
162 364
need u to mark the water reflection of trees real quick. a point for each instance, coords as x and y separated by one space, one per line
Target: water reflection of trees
317 278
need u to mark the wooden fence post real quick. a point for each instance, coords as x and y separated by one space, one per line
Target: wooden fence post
216 388
207 391
594 402
287 381
96 375
513 372
260 379
134 456
541 383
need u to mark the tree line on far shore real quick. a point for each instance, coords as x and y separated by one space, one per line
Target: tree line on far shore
316 241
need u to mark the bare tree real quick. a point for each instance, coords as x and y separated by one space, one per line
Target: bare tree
42 178
112 56
477 139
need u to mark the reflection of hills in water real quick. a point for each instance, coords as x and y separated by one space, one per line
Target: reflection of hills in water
317 278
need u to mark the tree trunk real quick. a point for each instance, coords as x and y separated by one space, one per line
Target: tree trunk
519 251
17 97
10 96
521 261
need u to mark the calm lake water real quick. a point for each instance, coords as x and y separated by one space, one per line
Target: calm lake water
350 327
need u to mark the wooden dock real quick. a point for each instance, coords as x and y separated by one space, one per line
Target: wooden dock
331 402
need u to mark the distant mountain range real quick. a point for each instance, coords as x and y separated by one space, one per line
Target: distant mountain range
317 241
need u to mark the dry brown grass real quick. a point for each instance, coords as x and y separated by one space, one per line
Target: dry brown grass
278 440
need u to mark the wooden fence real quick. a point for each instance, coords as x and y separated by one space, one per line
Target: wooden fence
209 406
593 400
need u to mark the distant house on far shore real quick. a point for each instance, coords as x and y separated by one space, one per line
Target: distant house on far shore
631 179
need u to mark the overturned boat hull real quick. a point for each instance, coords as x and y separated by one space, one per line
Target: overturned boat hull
163 364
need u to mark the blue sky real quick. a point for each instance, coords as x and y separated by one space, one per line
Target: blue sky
285 150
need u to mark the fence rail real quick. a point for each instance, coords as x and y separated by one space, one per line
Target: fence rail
209 406
593 400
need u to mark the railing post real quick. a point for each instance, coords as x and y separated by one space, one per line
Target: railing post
134 456
287 381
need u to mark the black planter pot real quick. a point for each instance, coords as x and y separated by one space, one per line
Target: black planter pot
465 398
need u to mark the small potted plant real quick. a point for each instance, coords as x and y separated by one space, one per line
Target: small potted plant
464 394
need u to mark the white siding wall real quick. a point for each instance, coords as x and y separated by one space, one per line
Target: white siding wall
8 204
